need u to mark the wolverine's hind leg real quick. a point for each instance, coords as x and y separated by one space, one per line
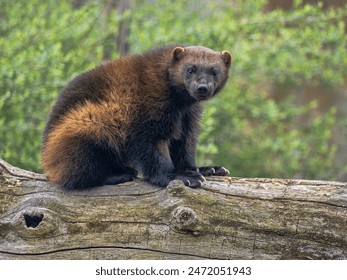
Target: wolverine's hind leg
123 175
78 163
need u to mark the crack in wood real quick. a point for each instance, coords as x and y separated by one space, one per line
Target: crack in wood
27 193
105 247
282 199
287 182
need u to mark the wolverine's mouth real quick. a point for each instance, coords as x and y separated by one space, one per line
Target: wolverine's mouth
202 96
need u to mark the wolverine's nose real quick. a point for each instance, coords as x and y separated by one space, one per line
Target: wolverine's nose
202 88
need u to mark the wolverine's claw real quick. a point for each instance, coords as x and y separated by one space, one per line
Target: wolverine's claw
213 171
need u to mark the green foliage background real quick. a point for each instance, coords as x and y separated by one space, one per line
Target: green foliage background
44 44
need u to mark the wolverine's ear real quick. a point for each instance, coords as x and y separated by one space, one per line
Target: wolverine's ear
227 58
178 53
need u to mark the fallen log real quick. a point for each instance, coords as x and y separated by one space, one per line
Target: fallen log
227 218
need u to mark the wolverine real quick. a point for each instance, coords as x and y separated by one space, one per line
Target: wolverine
134 114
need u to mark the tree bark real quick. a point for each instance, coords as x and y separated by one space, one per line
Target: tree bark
227 218
123 45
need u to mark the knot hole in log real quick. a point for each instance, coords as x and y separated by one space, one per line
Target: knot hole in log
33 220
185 219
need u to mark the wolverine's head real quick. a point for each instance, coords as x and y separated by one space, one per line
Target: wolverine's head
201 71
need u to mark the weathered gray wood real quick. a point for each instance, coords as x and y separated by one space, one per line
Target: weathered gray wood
228 218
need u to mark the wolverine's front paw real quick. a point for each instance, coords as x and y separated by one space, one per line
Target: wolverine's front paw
191 179
213 171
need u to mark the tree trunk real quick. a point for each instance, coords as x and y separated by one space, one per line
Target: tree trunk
228 218
123 31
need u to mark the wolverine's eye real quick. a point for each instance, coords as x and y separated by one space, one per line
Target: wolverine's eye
215 72
190 70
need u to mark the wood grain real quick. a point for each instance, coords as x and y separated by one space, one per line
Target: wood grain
228 218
